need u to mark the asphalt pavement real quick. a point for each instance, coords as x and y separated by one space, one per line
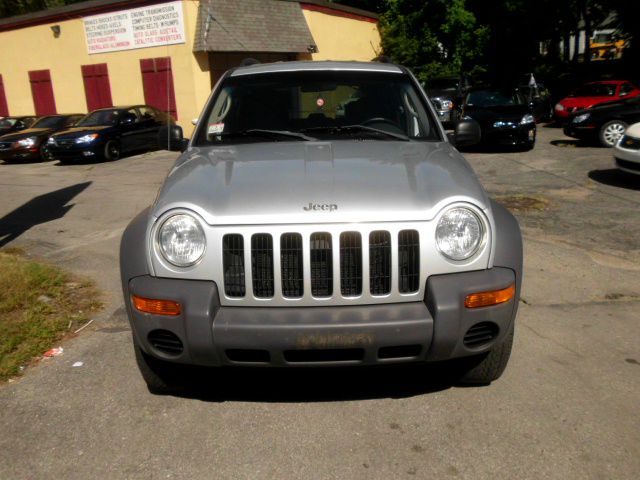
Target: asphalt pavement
567 406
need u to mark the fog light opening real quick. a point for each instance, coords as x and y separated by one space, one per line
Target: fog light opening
493 297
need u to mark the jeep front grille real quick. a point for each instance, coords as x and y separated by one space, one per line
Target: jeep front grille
408 261
233 264
291 265
321 265
380 262
284 265
262 265
350 264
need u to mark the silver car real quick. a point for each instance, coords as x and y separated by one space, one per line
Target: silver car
626 151
320 216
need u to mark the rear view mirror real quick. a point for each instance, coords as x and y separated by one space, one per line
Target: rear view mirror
467 133
170 137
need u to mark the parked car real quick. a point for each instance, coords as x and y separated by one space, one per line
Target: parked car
13 124
539 99
627 151
446 94
31 143
504 116
287 237
594 93
107 133
604 123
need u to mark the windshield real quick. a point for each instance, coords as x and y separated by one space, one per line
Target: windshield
493 98
99 117
49 122
595 90
7 122
313 105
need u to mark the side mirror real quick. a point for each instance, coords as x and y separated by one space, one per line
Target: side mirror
170 137
467 133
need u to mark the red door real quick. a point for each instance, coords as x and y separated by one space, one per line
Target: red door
96 86
42 92
4 108
157 82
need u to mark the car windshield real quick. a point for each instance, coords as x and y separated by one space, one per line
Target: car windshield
99 117
49 122
7 122
595 90
312 105
493 98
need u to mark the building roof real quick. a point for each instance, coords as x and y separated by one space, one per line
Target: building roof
252 26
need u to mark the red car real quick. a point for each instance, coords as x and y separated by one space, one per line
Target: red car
593 93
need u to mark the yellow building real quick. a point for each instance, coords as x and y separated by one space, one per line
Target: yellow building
167 54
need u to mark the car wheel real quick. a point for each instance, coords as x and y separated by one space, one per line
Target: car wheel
160 377
112 150
611 132
483 369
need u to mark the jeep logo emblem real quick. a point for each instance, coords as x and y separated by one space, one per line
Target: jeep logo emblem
328 207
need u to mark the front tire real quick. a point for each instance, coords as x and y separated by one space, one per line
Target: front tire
485 368
161 377
112 150
611 132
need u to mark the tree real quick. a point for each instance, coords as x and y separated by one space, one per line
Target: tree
439 37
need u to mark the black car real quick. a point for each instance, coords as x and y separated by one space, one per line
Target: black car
446 94
107 133
504 116
604 123
13 124
30 143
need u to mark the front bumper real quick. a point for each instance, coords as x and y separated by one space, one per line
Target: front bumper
77 152
15 154
587 132
212 335
519 135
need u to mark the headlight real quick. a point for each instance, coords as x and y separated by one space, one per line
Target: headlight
51 141
446 104
87 138
27 142
181 240
581 118
559 107
459 233
528 118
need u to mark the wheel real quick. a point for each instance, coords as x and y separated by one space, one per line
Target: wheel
161 377
611 132
112 150
486 368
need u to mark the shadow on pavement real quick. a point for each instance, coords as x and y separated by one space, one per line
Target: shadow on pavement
41 209
616 178
571 143
316 384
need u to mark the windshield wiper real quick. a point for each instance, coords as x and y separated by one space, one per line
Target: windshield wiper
269 133
352 128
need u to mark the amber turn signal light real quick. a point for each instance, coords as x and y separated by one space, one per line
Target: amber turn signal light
156 307
494 297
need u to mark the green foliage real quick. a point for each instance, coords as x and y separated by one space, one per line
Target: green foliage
435 38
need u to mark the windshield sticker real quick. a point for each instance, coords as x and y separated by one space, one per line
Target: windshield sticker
215 128
320 102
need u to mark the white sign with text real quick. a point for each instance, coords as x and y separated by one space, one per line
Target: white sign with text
152 26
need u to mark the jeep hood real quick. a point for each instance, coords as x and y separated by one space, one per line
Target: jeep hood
368 181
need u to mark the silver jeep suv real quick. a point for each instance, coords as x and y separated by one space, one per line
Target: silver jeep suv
321 216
